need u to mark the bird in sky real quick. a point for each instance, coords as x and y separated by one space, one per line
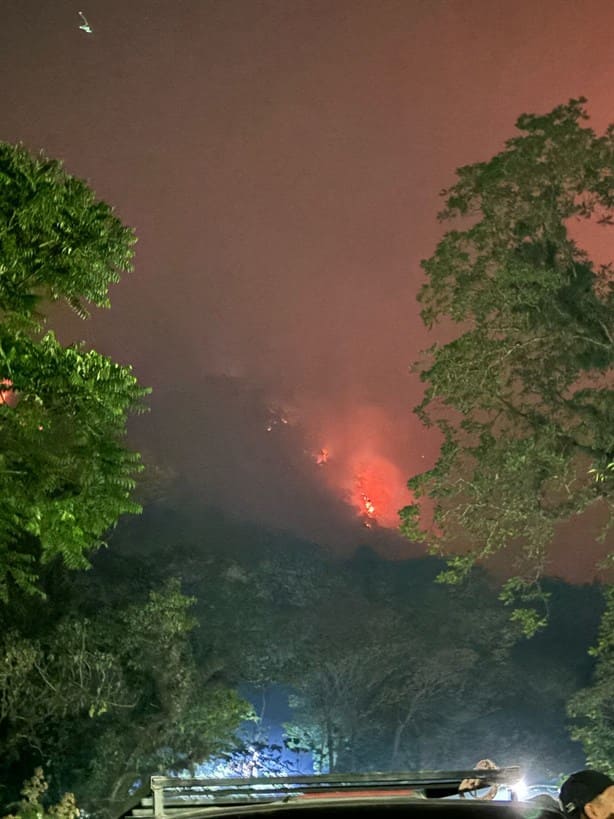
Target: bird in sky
85 26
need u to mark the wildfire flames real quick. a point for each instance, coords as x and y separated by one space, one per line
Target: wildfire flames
322 457
351 461
371 494
7 395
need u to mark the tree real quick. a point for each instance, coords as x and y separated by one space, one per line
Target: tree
105 701
523 394
381 668
65 474
336 705
103 695
592 708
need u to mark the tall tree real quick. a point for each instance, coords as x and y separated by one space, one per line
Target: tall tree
65 474
380 669
523 394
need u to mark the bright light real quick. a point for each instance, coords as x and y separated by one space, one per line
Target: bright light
521 789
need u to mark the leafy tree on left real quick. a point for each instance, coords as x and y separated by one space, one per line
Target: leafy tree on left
108 694
65 474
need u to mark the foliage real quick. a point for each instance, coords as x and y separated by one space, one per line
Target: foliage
592 708
284 607
109 699
65 475
32 804
522 396
251 758
56 240
417 678
276 613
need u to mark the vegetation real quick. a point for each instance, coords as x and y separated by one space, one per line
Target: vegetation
398 679
103 693
592 708
109 698
33 796
522 396
384 668
133 668
65 474
373 653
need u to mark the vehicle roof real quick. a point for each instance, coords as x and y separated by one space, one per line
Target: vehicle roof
368 807
402 794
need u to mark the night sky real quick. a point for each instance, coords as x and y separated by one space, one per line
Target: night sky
281 164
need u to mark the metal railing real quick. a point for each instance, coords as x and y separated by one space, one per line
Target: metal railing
178 796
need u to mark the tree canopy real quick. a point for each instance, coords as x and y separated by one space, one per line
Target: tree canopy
65 474
523 393
56 240
103 699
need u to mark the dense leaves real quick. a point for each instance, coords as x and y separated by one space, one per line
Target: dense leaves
33 804
384 668
523 394
108 699
592 708
56 240
65 474
422 678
